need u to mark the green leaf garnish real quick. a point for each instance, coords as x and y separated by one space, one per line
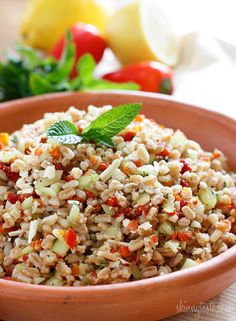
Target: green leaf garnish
112 122
101 130
64 132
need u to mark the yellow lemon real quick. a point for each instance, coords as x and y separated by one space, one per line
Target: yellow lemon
44 21
141 31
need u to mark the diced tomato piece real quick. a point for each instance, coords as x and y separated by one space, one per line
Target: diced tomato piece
9 278
133 226
43 140
55 152
186 167
184 183
138 118
112 201
70 238
138 163
25 257
97 208
185 235
174 235
75 269
143 209
58 166
183 203
164 153
129 136
2 230
123 211
12 197
124 251
12 176
89 194
69 178
38 151
104 165
154 238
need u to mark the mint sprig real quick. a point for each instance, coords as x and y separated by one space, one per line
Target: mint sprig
101 130
64 132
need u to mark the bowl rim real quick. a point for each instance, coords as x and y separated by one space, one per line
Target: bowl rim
209 269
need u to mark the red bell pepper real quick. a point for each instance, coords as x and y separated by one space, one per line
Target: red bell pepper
70 238
150 76
87 39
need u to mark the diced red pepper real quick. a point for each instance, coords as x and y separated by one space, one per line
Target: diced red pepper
143 209
138 163
12 197
184 183
186 167
233 228
104 165
12 176
164 153
185 235
58 166
69 178
70 238
24 257
129 136
183 203
124 251
123 211
174 235
133 226
112 201
154 238
89 194
43 140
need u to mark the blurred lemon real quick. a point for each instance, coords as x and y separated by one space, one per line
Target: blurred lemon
44 21
141 31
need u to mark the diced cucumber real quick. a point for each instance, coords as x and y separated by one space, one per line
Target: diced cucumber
108 209
143 199
208 198
146 170
27 203
26 250
46 191
56 187
60 247
74 215
172 245
54 281
85 181
188 264
178 139
168 206
166 228
136 272
193 154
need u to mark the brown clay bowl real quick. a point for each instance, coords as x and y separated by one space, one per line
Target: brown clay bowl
150 299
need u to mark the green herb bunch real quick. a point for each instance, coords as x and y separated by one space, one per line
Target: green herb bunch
27 74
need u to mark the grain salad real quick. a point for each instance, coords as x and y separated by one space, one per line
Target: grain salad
145 203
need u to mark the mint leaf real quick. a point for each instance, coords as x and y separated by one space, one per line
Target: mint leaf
112 122
85 67
64 132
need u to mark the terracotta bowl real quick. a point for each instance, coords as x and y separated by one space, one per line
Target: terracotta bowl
150 299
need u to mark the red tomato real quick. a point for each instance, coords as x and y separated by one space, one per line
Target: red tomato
87 39
70 238
124 251
150 76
